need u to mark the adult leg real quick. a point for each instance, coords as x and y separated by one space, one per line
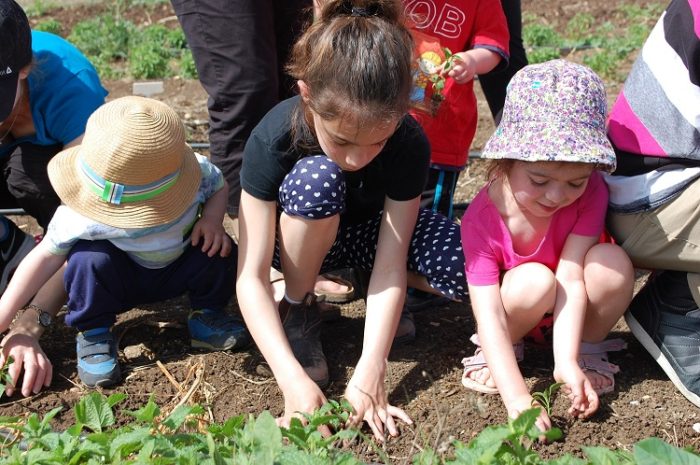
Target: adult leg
663 315
234 47
494 84
28 181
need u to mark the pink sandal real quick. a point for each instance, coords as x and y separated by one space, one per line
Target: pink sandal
478 361
594 357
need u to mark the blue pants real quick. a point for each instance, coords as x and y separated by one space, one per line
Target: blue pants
315 189
102 281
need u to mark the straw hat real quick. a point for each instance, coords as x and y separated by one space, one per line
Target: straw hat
133 168
554 111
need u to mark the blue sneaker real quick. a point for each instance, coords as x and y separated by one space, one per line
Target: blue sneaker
97 358
216 330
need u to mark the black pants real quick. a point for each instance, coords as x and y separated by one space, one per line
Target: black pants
27 183
240 48
494 84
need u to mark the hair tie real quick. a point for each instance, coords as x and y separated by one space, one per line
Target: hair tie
359 11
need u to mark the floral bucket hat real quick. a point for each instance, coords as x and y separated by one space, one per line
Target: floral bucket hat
554 111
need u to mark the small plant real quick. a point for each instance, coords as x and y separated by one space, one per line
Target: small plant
49 25
5 377
438 79
545 398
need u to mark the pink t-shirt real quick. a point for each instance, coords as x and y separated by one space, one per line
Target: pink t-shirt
487 243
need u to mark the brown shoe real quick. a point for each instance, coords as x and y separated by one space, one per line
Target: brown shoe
302 324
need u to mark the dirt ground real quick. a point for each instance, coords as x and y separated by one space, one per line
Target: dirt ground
423 377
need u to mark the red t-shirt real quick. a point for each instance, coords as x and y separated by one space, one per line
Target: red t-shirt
458 25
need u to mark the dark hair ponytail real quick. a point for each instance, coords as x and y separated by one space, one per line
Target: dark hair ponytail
356 60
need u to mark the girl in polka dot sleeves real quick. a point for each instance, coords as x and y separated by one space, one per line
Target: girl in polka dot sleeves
332 179
531 241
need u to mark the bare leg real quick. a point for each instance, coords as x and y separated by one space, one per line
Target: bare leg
609 278
528 292
303 246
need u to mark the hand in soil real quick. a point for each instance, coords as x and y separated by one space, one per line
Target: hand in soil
28 355
302 396
520 404
577 386
369 402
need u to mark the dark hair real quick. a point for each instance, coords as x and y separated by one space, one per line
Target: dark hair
356 60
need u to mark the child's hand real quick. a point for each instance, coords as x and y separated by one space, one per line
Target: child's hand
28 356
303 396
518 405
215 238
463 68
584 400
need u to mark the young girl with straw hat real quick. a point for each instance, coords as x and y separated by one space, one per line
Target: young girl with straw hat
141 221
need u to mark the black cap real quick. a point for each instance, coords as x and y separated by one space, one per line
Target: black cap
15 52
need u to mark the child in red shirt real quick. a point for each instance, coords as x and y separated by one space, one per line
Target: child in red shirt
477 33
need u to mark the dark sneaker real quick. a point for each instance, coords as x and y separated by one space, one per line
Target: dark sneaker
97 358
406 330
660 317
216 330
13 249
302 325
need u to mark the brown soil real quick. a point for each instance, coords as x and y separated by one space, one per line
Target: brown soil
423 377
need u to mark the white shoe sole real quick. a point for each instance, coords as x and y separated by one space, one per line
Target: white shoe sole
651 347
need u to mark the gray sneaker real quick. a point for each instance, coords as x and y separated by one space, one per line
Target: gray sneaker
302 324
666 320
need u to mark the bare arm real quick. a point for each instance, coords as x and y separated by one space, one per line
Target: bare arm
39 273
385 297
210 226
473 62
569 315
496 343
34 271
255 248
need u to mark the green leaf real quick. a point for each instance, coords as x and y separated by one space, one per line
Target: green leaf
179 415
125 443
148 413
600 456
94 412
654 451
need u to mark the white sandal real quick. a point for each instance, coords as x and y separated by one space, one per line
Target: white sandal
478 361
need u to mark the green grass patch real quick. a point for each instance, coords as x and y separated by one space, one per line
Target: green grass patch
604 47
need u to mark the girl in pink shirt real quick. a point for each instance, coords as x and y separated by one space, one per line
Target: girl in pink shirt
531 241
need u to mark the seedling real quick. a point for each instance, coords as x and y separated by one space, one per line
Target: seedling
438 78
5 377
545 398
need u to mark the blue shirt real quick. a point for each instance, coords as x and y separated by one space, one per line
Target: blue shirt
64 90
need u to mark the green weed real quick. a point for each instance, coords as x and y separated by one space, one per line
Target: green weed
49 25
184 437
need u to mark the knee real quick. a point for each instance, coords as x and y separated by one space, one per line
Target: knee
89 256
314 189
529 286
608 268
